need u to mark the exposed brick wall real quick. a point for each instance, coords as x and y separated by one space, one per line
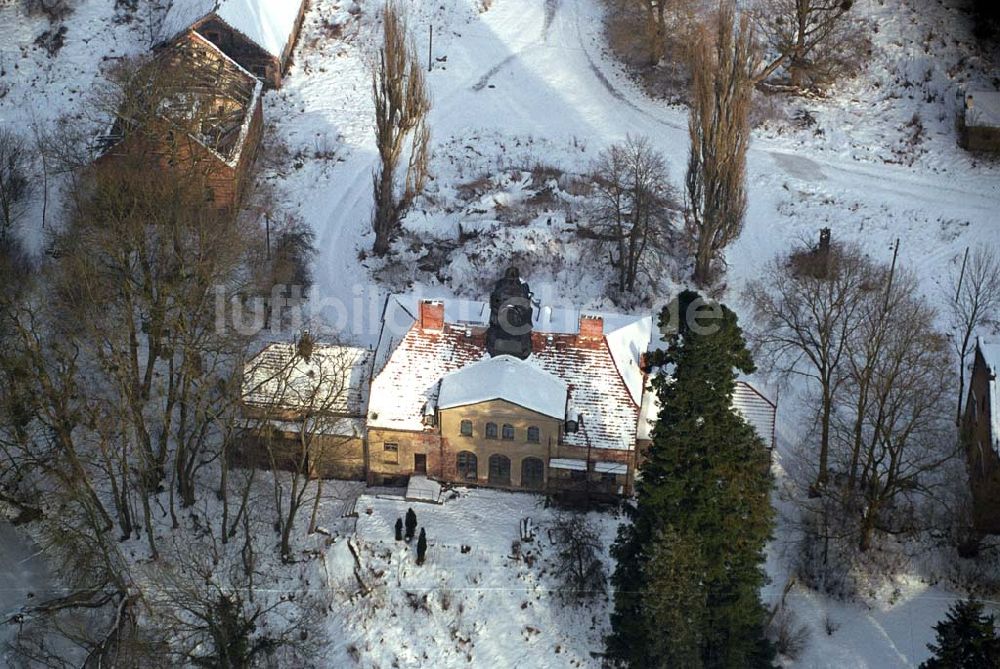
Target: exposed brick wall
432 315
591 331
982 460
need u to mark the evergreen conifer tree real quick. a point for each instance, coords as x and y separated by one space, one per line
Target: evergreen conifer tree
703 501
966 639
421 546
411 524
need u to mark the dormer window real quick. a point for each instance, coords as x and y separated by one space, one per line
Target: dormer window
508 432
491 430
466 428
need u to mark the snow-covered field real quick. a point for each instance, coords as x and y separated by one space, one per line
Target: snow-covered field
525 94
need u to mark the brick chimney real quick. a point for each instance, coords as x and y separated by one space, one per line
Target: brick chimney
591 330
432 315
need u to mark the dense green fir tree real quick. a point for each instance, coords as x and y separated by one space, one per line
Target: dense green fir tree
966 639
703 502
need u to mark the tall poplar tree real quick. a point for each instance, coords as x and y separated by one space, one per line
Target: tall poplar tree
704 488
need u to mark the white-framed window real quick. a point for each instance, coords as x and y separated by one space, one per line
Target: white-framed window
390 453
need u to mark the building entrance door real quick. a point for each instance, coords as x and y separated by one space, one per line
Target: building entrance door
419 463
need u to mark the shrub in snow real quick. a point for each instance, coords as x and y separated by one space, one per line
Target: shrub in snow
789 638
578 561
55 10
421 546
411 524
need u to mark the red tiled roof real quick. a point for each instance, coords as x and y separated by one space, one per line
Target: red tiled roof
408 383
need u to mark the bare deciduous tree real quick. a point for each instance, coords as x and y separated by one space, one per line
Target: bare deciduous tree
399 90
635 206
895 429
15 184
208 614
974 302
807 307
719 125
815 40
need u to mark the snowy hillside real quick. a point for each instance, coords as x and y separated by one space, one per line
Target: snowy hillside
525 96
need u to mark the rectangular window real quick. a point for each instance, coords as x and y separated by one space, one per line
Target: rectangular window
577 475
609 478
213 37
390 453
466 428
260 71
508 432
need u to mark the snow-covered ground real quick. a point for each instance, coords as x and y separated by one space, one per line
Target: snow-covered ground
523 91
478 606
529 84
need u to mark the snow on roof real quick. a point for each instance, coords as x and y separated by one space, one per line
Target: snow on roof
267 23
423 489
756 409
990 350
648 412
182 14
596 392
982 108
568 463
611 468
627 345
411 363
504 378
548 319
331 380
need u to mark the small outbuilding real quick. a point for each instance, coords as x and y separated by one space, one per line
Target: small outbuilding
979 125
258 34
198 113
304 408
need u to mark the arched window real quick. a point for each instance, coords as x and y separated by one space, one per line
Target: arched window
499 470
467 465
534 434
532 473
466 428
491 430
508 431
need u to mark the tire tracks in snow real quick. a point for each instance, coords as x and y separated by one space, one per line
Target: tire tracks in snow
907 186
551 8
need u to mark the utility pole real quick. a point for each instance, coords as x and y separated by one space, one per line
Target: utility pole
961 275
430 49
267 233
892 271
